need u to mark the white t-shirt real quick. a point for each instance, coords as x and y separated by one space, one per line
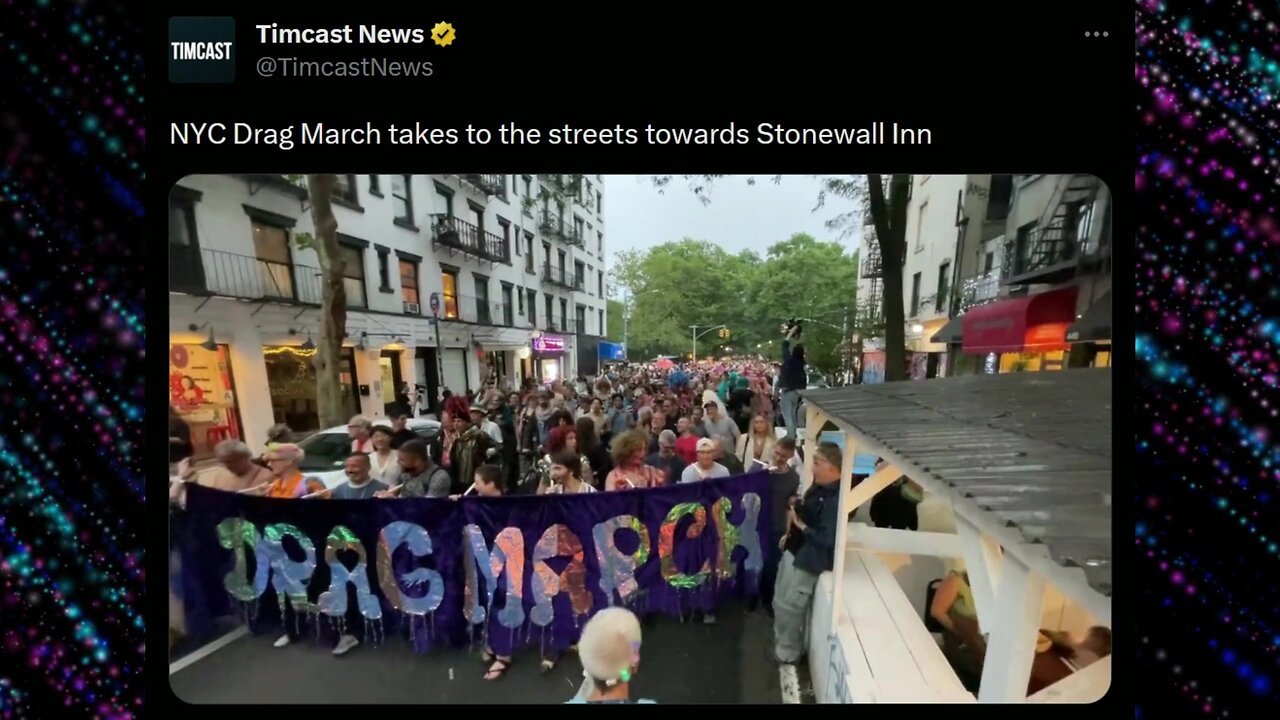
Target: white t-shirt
693 473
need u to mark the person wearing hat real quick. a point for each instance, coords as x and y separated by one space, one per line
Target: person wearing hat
706 468
480 418
610 654
811 522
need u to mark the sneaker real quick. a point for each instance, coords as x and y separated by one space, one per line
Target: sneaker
708 618
283 641
345 644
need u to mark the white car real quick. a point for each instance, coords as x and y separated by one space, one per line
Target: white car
327 450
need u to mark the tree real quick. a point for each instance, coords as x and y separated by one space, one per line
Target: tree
888 212
333 296
673 286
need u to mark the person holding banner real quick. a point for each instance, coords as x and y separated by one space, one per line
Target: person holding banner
283 462
630 471
419 477
565 477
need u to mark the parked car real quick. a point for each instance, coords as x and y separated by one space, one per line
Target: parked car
327 450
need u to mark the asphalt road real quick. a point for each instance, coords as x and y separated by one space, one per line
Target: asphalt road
725 663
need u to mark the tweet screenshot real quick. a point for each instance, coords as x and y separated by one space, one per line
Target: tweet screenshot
815 315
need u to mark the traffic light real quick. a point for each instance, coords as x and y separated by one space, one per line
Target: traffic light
724 333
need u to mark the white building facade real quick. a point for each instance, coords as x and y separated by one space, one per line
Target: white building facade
452 281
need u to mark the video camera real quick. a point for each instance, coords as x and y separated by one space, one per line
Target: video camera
793 323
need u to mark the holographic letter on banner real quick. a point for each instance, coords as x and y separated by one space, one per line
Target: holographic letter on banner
667 550
419 541
508 554
288 577
235 534
558 541
333 602
618 571
745 535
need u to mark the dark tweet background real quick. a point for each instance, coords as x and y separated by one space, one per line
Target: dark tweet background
1015 89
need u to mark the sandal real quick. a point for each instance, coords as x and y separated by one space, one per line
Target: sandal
497 669
487 657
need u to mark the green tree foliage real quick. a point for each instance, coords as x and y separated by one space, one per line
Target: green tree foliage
692 282
884 199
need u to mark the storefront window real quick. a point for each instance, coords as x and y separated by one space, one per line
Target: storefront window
291 378
202 392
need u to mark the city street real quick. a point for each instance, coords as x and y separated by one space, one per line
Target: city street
681 663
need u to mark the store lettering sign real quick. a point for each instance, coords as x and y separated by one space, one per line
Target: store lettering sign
548 344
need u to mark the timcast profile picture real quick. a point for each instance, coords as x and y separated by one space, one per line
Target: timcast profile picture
202 49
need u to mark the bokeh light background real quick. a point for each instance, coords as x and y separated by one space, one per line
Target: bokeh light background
1208 327
71 356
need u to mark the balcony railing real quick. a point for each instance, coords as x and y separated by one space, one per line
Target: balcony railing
481 311
565 229
873 266
979 290
458 234
557 276
1047 251
213 272
488 184
567 185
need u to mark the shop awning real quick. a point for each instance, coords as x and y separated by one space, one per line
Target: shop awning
951 333
1096 323
1034 323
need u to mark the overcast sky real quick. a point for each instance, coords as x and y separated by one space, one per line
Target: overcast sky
740 216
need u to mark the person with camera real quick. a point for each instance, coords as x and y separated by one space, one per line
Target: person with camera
810 551
791 376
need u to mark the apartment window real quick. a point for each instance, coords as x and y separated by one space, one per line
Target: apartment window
345 189
353 275
185 268
449 283
920 226
446 199
600 243
551 316
528 185
409 282
599 203
600 283
505 225
482 300
579 275
477 216
515 186
384 271
578 232
532 305
1022 248
601 332
989 263
564 313
528 252
580 316
375 185
402 199
915 294
560 254
275 270
508 312
944 286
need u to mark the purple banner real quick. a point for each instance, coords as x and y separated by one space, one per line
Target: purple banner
513 570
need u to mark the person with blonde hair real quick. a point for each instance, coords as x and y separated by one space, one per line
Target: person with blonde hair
610 652
360 428
283 461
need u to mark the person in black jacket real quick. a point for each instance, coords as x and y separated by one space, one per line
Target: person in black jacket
811 547
791 377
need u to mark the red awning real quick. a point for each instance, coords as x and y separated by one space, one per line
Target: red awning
1035 323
